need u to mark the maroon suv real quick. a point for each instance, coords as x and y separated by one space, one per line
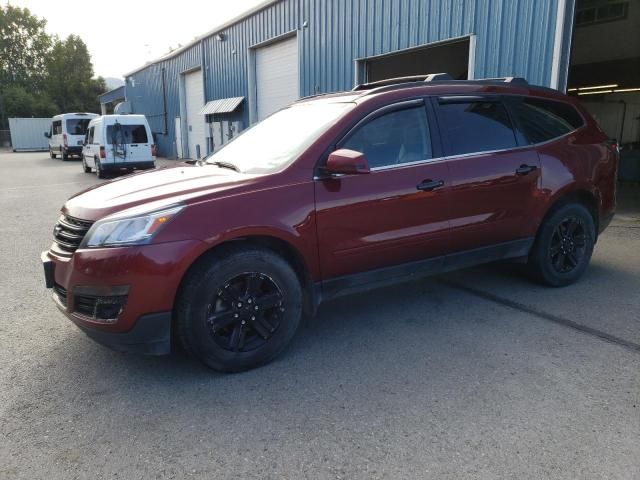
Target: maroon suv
333 194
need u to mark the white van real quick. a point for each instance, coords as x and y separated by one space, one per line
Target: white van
67 132
118 142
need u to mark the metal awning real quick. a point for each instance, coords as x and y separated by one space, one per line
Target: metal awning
223 105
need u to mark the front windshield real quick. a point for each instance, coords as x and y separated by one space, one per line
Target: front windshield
278 140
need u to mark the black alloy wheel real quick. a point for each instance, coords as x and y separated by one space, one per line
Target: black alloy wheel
238 308
568 245
563 246
245 312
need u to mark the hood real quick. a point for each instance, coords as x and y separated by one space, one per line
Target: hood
164 186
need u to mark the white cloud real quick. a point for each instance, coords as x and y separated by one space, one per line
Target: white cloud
124 34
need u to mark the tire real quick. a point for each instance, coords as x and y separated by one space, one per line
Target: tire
51 154
65 156
564 245
231 326
99 172
85 167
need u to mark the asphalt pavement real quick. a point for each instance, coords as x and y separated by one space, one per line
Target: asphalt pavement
478 374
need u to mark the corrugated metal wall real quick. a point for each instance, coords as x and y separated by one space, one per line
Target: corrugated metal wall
513 37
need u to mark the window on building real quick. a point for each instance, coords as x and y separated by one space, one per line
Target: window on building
398 137
476 126
598 11
542 120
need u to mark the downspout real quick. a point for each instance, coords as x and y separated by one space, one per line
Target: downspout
164 101
557 44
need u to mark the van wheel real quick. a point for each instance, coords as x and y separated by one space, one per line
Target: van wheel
51 154
239 310
85 167
65 156
99 172
563 246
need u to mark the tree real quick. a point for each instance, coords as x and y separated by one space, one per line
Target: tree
24 46
70 81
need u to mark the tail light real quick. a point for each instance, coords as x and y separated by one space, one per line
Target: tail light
64 139
103 153
154 150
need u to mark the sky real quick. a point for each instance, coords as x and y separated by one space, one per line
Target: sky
125 34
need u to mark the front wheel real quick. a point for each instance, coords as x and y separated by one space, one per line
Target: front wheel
239 310
51 154
564 245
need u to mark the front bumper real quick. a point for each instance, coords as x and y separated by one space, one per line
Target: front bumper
145 279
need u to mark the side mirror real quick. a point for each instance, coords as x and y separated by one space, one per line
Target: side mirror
347 161
47 134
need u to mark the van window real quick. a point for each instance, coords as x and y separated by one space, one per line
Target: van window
77 126
543 120
90 135
477 126
119 133
57 127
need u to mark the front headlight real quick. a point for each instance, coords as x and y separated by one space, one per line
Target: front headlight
134 230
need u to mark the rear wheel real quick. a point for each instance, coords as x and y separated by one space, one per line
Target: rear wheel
65 156
99 171
564 245
51 154
239 310
85 167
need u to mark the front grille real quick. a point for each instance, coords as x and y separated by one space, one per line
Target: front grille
68 233
61 293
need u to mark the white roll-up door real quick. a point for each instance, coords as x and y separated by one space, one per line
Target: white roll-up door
276 76
194 101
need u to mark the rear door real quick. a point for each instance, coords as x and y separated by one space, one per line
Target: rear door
130 142
494 180
76 129
386 217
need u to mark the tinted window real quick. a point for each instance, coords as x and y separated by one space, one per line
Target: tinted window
57 127
543 120
477 127
77 126
397 137
119 133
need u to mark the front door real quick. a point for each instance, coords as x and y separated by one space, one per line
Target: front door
398 213
494 181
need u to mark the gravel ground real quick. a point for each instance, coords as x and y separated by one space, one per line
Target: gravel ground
477 374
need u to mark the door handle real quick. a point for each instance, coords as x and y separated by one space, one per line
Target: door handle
429 185
525 169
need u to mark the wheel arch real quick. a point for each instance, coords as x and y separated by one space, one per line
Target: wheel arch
583 196
275 244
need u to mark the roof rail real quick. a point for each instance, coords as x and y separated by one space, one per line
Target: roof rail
432 77
512 80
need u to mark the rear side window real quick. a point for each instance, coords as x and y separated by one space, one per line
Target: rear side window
394 138
543 120
57 127
476 126
77 126
126 134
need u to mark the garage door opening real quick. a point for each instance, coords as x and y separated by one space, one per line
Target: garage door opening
450 57
605 73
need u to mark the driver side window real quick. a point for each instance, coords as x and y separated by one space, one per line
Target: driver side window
394 138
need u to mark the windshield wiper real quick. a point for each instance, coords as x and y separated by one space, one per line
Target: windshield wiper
228 165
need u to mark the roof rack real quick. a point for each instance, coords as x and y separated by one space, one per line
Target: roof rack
432 77
435 78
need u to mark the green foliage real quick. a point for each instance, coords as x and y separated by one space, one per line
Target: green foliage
41 75
70 81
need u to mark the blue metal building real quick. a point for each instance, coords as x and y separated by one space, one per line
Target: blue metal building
199 96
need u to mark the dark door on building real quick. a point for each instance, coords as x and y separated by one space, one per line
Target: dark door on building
451 58
382 218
